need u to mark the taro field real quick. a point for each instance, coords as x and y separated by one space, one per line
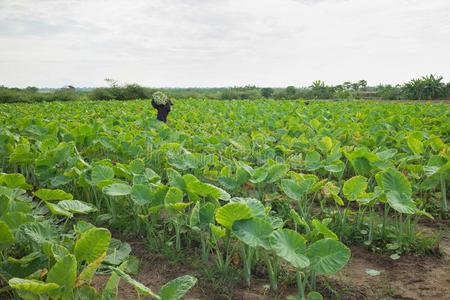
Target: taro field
255 199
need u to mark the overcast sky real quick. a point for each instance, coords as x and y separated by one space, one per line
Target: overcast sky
160 43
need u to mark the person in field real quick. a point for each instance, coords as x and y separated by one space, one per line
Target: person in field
162 104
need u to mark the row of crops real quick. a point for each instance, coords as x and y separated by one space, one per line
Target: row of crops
282 185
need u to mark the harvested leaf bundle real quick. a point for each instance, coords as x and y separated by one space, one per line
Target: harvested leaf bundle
160 98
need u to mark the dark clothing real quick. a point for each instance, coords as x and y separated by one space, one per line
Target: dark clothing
163 110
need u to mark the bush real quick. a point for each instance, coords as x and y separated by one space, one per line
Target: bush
426 88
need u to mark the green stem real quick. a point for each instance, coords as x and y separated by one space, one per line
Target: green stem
444 195
272 274
300 286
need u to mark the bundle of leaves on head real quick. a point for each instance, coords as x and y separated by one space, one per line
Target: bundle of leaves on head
160 98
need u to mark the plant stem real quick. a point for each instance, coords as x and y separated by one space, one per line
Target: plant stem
444 195
300 286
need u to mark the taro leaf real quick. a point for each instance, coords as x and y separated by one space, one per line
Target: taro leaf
259 175
312 161
400 202
206 214
40 232
33 286
276 172
117 252
140 288
355 188
204 189
387 154
295 190
64 274
174 195
82 226
7 237
326 143
415 145
328 256
132 265
175 179
76 206
59 252
324 230
141 194
136 166
49 195
258 209
290 246
101 173
254 232
217 231
335 167
92 244
15 219
15 180
177 288
57 210
117 189
231 212
393 180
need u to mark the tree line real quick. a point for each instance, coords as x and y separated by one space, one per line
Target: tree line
429 87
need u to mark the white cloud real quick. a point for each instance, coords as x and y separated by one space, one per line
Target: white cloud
221 42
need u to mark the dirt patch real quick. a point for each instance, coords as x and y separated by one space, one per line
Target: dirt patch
410 277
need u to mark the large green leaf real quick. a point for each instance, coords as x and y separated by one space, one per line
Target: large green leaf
49 195
324 230
295 190
276 172
231 212
177 288
328 256
393 180
204 189
290 246
33 286
64 274
258 209
57 210
253 232
101 173
117 189
117 252
91 244
400 202
174 195
76 206
355 188
415 145
141 194
41 232
7 237
15 180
